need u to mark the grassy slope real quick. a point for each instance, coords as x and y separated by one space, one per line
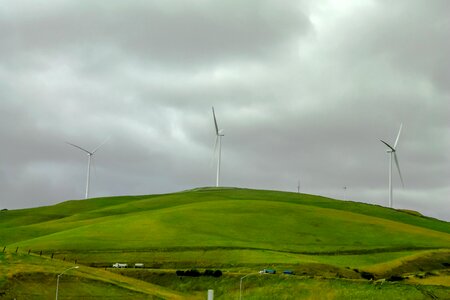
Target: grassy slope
238 229
33 277
280 286
210 226
221 218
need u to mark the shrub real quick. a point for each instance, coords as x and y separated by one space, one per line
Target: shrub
193 273
196 273
367 275
395 278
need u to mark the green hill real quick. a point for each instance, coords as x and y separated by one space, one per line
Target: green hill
221 218
240 230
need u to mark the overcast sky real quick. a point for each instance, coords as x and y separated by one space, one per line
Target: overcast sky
304 90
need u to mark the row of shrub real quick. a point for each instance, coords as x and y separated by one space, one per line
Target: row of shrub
196 273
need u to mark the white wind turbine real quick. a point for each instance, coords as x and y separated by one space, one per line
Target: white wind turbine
393 153
219 135
90 154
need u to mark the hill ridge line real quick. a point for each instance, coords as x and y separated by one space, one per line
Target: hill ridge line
212 248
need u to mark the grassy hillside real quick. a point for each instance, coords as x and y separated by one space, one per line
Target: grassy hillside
221 218
237 230
25 276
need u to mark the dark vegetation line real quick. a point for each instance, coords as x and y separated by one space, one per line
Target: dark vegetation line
185 249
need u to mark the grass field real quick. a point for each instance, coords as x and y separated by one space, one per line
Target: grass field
26 276
33 277
237 230
295 287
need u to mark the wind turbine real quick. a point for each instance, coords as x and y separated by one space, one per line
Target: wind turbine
219 135
90 154
393 153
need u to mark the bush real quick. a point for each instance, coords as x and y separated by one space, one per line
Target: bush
367 275
193 273
395 278
196 273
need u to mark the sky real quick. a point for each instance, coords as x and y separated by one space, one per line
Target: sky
304 91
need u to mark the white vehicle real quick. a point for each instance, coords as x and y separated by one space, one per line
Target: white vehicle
119 265
138 265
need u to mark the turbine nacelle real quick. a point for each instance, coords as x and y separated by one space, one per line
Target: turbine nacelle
391 149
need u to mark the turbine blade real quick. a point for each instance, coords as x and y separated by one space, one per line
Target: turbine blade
398 168
393 150
398 135
79 147
215 121
104 142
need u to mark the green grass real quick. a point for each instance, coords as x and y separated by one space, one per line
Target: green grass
32 277
223 218
42 286
245 226
292 288
237 230
286 287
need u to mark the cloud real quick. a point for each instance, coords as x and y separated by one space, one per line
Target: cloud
179 33
304 90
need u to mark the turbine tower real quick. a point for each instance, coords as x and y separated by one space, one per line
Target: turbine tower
393 153
219 135
90 154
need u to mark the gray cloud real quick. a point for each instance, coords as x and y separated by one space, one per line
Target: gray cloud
178 33
303 90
